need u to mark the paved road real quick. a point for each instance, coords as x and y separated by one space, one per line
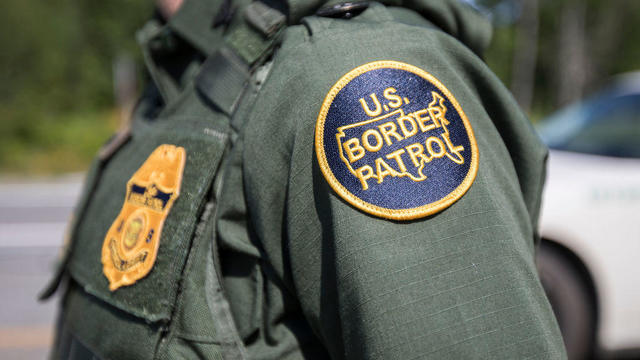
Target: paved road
33 217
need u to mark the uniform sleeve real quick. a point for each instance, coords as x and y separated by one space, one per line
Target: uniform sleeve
459 283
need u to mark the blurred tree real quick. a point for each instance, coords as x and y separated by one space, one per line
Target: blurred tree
56 70
525 54
555 52
572 70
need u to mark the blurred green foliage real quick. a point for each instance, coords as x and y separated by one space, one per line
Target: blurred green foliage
56 99
602 37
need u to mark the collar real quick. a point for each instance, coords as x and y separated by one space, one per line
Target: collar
161 42
455 17
193 22
174 51
193 25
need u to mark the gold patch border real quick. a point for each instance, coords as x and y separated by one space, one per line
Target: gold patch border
393 214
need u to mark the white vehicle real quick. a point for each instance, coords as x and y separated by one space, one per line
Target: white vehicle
589 259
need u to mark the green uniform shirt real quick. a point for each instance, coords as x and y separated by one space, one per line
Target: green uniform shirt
259 257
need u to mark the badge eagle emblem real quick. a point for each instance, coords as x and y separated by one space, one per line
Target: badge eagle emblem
130 247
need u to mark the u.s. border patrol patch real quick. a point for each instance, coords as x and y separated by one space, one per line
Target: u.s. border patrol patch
394 142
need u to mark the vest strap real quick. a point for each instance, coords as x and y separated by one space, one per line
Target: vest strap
222 79
255 35
250 40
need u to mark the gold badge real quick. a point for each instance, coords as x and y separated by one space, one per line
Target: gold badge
131 244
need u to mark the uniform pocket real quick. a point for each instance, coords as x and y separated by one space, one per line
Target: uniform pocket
151 296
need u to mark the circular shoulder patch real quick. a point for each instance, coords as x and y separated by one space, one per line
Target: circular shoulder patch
394 142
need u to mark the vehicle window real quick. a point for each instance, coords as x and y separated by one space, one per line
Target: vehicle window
611 130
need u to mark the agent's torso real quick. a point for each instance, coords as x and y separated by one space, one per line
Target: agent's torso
255 256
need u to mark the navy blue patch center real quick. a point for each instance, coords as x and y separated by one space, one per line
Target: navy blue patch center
393 141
